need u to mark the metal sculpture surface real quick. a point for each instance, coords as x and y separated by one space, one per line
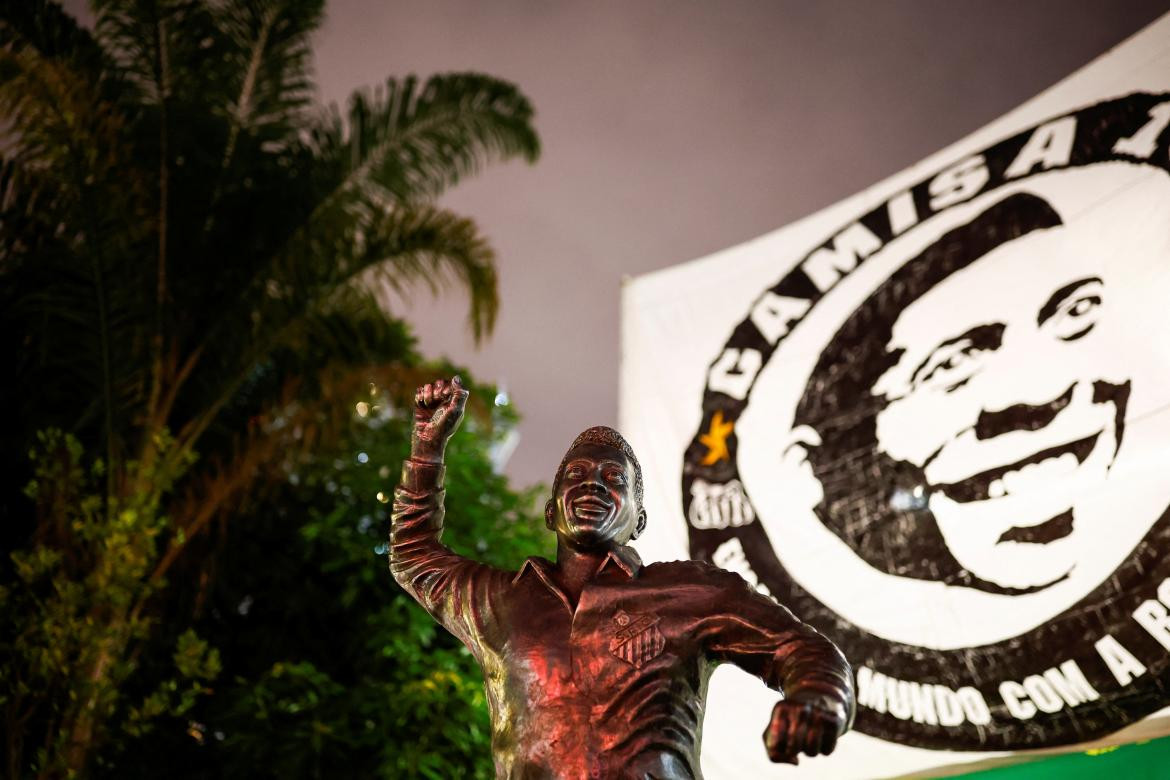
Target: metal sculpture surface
597 665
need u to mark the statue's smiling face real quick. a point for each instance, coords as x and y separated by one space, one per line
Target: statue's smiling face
593 503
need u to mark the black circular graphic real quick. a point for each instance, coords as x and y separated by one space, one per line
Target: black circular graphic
974 424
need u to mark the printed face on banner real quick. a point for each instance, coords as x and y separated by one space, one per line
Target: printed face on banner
984 386
1004 406
943 439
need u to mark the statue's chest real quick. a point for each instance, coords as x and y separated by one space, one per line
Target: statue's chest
619 637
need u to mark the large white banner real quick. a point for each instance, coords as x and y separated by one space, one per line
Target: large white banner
934 421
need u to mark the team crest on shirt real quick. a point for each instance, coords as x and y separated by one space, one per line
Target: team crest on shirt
636 639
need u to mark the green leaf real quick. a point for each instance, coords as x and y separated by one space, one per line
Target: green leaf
404 142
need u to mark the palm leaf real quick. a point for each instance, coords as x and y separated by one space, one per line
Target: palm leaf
68 149
397 247
358 176
155 43
350 330
44 25
439 248
267 48
406 143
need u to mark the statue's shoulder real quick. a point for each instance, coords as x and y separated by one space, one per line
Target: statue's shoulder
695 573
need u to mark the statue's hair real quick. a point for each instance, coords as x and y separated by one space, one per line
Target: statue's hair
608 437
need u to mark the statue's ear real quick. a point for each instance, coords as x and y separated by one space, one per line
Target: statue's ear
550 514
641 526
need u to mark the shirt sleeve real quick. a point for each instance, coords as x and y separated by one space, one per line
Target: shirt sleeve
766 640
458 592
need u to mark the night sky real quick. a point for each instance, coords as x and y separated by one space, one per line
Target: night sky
674 129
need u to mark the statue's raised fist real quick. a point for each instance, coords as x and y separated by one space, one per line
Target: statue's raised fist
438 409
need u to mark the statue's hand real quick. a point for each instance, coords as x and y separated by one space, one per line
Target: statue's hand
798 728
438 409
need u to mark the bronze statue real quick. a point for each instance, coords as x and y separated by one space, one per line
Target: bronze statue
597 666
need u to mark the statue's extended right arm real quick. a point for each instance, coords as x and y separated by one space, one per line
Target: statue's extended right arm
766 640
455 590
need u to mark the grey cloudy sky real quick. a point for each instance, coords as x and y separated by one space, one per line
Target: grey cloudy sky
672 129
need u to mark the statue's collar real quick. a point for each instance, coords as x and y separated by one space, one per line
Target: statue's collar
623 556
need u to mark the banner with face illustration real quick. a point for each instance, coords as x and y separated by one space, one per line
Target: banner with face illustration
934 421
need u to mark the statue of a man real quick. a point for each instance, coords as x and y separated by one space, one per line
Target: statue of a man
596 666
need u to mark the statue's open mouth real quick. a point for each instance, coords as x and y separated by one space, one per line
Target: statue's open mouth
1014 477
591 507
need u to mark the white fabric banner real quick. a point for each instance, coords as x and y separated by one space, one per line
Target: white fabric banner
934 421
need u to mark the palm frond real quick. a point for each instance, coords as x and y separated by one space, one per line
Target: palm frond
144 37
44 25
267 49
349 191
296 419
350 329
400 247
267 86
438 248
53 111
27 206
68 149
403 142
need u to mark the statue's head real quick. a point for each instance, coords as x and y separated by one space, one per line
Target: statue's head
597 492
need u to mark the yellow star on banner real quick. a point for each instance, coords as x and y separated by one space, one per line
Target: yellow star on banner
715 440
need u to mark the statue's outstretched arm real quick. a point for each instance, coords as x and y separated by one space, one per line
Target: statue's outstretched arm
765 639
455 590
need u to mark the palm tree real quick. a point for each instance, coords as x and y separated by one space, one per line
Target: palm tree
188 249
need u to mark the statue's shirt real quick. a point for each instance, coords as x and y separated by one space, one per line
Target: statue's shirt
615 687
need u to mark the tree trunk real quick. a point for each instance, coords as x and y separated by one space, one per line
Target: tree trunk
91 706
